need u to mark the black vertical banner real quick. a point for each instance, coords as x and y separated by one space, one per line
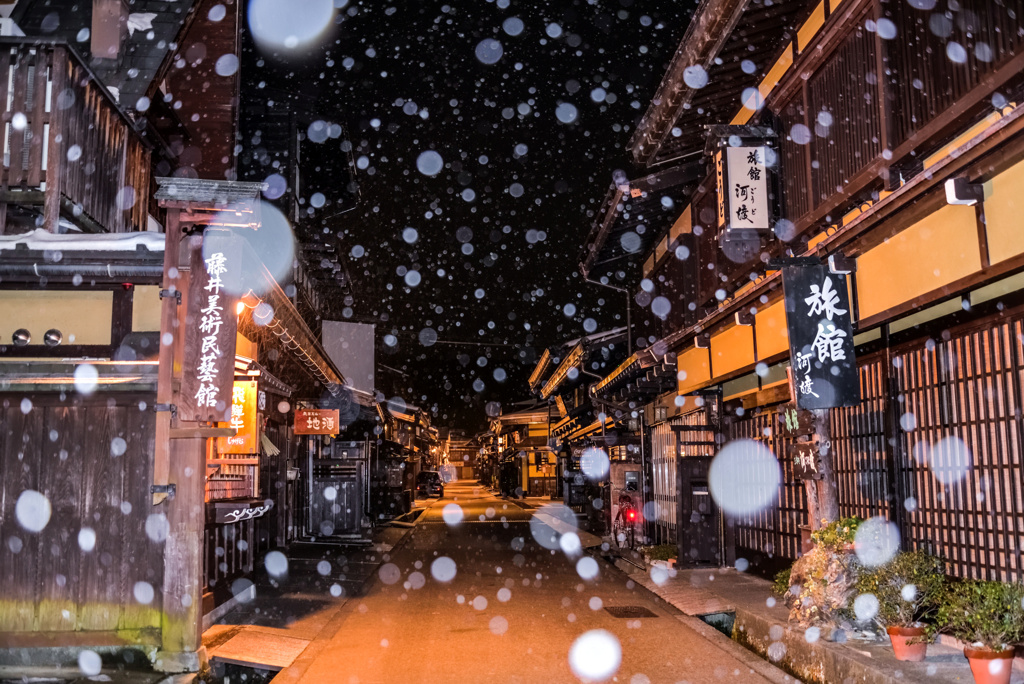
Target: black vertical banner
820 337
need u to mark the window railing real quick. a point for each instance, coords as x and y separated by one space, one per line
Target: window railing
68 151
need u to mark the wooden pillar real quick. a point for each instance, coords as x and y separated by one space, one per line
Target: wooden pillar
169 327
182 620
827 492
822 494
56 153
181 460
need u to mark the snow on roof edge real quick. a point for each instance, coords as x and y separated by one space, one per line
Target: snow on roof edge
41 239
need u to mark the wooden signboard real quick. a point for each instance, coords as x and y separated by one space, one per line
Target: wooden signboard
236 511
317 421
820 337
210 328
793 422
243 420
806 460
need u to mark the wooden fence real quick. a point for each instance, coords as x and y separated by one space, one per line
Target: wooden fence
97 565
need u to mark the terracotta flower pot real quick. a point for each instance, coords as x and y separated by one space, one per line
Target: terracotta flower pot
988 666
900 638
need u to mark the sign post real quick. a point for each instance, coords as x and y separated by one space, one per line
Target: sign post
823 372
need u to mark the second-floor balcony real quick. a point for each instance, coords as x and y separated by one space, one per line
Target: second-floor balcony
72 160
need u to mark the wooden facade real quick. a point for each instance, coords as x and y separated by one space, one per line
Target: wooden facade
872 107
97 566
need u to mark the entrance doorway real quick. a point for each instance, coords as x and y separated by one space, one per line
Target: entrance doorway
337 488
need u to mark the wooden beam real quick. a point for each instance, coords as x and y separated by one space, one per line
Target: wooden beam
203 432
168 332
55 153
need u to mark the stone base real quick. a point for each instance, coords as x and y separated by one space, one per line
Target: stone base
185 661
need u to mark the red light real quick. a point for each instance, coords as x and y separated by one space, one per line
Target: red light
632 515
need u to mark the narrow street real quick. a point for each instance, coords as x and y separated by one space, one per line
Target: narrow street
510 614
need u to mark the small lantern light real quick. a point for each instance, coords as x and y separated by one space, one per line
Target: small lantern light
21 337
52 337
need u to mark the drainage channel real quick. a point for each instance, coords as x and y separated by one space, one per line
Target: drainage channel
230 673
723 622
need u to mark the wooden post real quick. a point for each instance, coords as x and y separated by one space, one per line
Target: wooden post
56 159
184 466
169 327
182 619
822 496
828 499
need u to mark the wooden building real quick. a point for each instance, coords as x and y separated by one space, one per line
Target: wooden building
528 462
166 414
894 151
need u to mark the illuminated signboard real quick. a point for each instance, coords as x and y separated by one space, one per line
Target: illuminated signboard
243 419
210 326
317 421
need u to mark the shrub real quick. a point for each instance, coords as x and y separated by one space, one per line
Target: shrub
838 534
662 552
908 588
984 612
780 587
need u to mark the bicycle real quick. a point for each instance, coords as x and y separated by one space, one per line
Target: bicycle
624 526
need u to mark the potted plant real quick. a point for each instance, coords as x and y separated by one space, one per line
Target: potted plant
908 589
989 617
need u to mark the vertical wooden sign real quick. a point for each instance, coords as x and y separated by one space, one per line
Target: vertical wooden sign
210 328
820 337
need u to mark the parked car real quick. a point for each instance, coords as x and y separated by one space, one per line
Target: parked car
429 483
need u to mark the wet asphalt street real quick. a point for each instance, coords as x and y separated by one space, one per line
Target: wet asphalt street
511 613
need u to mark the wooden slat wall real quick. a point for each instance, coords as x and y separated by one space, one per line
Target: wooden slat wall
858 441
968 388
971 388
773 532
230 553
63 449
842 90
924 81
920 84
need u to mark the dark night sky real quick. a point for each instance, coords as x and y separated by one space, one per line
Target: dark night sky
504 220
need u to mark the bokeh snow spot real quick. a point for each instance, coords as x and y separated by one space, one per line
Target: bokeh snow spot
276 564
32 510
443 569
877 540
595 655
744 477
452 513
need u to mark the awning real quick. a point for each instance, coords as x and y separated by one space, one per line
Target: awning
590 429
633 216
538 372
575 419
639 378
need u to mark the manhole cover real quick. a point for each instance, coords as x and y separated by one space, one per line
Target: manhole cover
630 612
